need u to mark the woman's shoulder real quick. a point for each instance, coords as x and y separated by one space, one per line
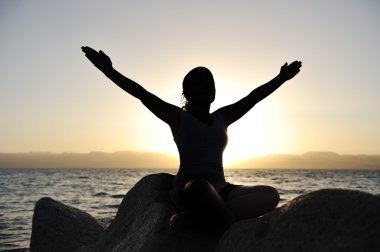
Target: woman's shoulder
218 116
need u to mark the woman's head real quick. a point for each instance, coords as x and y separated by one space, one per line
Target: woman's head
198 87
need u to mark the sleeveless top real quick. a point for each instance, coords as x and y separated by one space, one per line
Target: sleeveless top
200 148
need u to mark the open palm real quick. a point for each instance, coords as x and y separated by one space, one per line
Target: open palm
289 71
99 59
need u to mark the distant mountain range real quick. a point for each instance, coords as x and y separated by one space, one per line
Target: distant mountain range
134 159
311 160
120 159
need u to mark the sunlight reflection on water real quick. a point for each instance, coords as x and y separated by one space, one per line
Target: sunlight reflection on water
100 191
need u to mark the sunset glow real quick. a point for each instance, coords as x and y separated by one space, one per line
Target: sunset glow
52 99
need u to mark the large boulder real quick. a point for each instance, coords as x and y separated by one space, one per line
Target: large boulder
60 228
142 223
324 220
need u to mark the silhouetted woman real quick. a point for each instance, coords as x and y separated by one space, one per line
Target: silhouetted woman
199 189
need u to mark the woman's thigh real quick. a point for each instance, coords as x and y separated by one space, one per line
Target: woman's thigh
259 190
252 201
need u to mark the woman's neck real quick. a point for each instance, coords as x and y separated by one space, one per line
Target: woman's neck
200 112
197 109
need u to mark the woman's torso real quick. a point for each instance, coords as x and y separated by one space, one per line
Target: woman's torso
200 147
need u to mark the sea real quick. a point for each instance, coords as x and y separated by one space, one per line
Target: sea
100 191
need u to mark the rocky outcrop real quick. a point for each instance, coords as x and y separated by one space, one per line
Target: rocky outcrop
142 223
60 228
324 220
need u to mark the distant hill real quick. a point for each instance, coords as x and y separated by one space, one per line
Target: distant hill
311 160
120 159
135 159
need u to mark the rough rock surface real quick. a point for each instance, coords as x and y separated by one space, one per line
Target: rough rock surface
60 228
142 223
324 220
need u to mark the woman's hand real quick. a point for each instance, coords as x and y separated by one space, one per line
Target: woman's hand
289 71
99 59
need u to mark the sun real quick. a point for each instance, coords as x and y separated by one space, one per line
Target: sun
243 143
265 129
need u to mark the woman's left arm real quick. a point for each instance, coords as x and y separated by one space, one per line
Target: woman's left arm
235 111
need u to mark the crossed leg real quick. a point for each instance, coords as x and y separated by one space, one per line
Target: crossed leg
202 202
252 201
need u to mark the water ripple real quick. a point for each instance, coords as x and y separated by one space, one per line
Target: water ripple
100 191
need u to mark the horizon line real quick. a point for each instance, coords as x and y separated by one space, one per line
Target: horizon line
176 154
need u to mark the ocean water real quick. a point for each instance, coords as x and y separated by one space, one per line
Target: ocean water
100 191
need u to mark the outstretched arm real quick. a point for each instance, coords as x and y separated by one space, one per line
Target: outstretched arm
235 111
163 110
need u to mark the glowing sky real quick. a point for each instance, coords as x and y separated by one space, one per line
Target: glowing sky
53 99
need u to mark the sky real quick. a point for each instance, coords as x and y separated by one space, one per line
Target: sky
52 99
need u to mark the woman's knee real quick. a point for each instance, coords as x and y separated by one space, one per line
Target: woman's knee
195 186
200 191
262 193
196 194
272 195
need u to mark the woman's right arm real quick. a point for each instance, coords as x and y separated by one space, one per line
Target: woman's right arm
163 110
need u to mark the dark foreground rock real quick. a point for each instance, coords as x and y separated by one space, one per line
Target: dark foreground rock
142 223
60 228
325 220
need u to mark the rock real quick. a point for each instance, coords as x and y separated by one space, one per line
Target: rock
57 227
324 220
142 223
